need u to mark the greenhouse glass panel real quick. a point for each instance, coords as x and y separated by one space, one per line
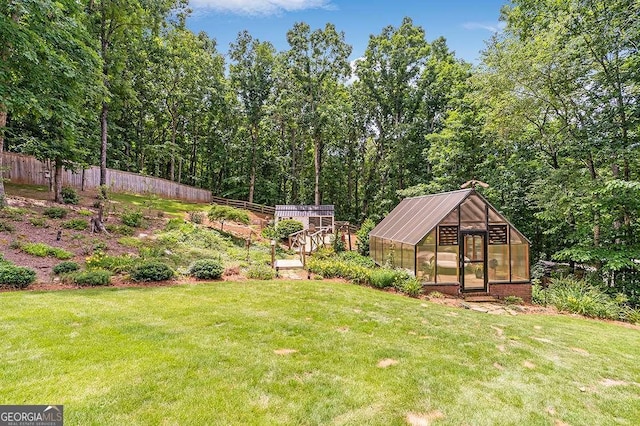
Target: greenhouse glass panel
426 251
519 257
451 219
473 213
498 262
447 264
495 218
408 259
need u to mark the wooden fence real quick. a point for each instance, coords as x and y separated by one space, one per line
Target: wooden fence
28 170
252 207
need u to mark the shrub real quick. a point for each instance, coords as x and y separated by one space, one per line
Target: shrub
196 217
94 277
270 233
224 213
6 227
13 213
331 268
69 195
65 267
363 236
39 222
411 287
206 269
55 212
120 229
173 224
578 297
382 277
357 258
12 276
513 300
152 271
261 272
286 227
44 250
115 264
77 224
133 219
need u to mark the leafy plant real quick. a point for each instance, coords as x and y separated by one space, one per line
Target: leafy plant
261 272
206 269
39 222
6 227
173 224
196 217
133 219
13 213
12 276
151 271
286 227
120 229
55 212
513 300
77 224
94 277
363 236
227 213
65 267
269 232
115 264
44 250
69 195
382 277
411 287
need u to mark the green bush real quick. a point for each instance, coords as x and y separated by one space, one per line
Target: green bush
411 287
85 212
261 272
12 276
13 213
228 213
65 267
120 229
152 271
44 250
513 300
270 233
133 219
356 258
286 227
69 195
39 222
363 236
332 268
173 224
578 297
382 277
94 277
6 227
55 212
206 269
196 217
77 224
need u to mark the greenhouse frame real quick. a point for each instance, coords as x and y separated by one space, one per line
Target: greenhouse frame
455 243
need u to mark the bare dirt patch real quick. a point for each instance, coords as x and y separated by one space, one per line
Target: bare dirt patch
387 362
284 351
423 419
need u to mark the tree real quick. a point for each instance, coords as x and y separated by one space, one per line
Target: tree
251 76
224 213
48 76
316 58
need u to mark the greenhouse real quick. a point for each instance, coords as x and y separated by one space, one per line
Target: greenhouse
455 242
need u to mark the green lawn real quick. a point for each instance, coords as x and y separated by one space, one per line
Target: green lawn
204 354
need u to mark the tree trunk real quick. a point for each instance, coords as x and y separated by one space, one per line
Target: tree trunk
316 161
3 124
103 143
57 179
252 178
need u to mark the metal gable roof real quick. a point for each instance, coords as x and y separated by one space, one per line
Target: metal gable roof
415 217
304 210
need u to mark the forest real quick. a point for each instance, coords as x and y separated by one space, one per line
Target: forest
549 118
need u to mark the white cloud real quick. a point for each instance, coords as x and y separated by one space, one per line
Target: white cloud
493 27
258 7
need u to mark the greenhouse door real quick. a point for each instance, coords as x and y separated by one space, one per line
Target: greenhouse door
474 249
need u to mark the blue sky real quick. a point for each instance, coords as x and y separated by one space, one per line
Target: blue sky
466 24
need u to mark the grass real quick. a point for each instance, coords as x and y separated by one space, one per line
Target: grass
169 207
204 354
